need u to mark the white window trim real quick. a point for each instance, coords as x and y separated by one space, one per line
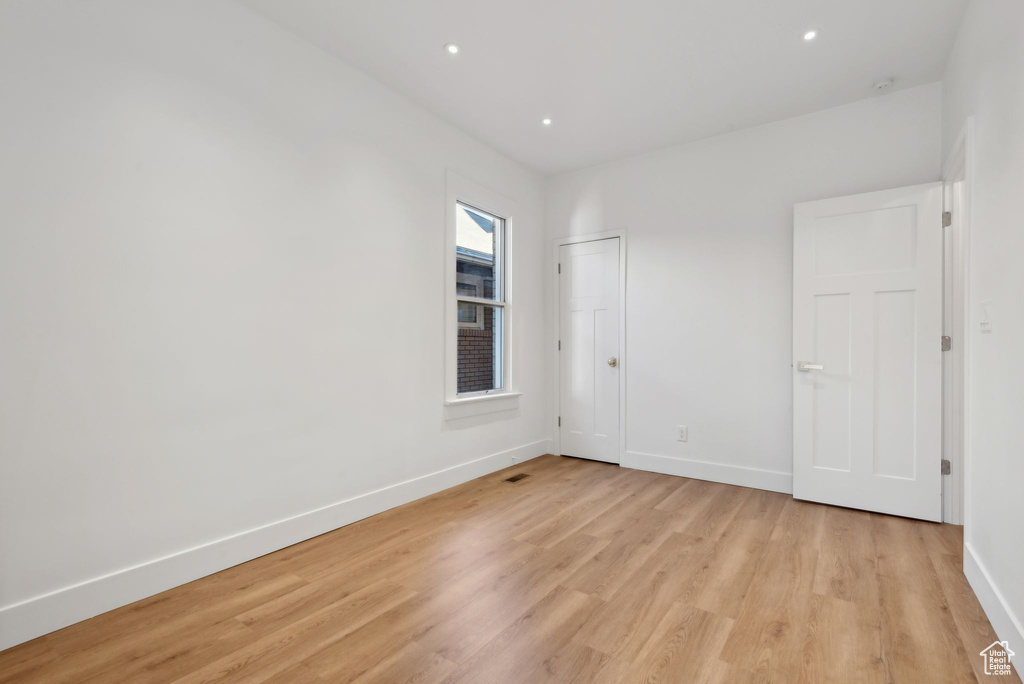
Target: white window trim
461 189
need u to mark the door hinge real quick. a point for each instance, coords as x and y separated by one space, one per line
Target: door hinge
559 268
945 466
947 219
559 421
947 343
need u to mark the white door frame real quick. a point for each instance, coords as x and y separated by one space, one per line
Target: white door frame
956 410
556 356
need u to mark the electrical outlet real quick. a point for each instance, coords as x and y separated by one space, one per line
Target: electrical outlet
684 433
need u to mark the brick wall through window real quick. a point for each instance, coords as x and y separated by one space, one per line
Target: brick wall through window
476 356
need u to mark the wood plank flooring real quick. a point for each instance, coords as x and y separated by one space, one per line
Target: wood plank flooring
581 572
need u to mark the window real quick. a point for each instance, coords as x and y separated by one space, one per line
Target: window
478 346
470 315
479 257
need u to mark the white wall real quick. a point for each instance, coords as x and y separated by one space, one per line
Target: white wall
709 296
221 273
985 79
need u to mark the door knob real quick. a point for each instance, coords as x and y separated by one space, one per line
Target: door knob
613 362
804 366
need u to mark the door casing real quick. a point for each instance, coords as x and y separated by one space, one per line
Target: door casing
957 178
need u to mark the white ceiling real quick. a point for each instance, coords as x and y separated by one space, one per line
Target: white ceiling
620 77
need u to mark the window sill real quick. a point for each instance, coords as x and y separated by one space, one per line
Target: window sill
466 407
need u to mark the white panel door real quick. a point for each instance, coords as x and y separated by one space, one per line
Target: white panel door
589 349
867 359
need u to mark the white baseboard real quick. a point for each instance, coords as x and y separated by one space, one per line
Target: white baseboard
40 615
772 480
1004 622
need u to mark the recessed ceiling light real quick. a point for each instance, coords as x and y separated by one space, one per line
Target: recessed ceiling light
546 122
451 49
810 35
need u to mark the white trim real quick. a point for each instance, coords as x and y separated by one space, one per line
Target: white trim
623 358
1007 626
461 189
40 615
968 136
743 476
488 395
957 168
479 404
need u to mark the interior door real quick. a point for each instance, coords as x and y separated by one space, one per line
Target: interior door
589 349
867 359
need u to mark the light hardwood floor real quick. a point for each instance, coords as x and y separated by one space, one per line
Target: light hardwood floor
582 572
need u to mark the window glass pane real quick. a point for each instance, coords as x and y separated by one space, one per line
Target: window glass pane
471 315
480 348
478 246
